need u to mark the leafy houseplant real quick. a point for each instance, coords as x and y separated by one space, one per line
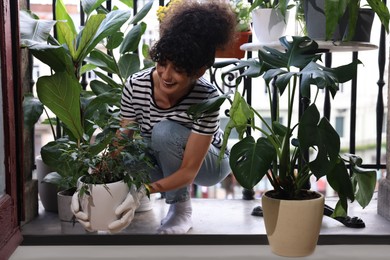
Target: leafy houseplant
335 10
281 154
81 111
285 145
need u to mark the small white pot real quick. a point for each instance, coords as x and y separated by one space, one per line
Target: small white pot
269 24
100 205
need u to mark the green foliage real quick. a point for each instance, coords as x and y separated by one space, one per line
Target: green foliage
334 10
82 114
276 155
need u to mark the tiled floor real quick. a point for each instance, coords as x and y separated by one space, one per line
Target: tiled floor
217 222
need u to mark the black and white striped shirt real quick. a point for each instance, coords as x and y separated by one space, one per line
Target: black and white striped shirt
138 104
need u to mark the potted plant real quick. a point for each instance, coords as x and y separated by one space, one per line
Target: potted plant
78 110
269 19
342 17
107 177
289 153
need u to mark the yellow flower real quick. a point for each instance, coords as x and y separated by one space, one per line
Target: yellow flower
162 10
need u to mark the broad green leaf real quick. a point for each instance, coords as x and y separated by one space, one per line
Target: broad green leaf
32 110
339 179
142 13
108 80
87 36
114 40
90 5
250 160
103 61
33 29
61 94
208 106
131 41
56 57
128 65
98 87
67 36
111 24
63 16
318 134
380 8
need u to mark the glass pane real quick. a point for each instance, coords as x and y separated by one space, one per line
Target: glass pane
2 168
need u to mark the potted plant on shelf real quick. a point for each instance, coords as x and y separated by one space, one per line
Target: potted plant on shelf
269 19
290 153
100 46
343 20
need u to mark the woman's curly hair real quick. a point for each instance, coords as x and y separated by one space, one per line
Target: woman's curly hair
192 31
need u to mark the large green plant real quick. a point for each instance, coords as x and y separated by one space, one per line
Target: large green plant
334 10
101 45
280 153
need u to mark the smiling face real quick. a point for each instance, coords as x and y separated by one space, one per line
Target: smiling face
173 81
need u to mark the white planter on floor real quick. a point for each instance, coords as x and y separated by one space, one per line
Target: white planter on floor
102 202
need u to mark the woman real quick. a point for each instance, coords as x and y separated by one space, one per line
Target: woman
186 150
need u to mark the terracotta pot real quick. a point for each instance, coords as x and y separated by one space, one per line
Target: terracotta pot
102 202
293 226
233 50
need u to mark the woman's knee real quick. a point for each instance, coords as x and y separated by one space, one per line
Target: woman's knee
167 133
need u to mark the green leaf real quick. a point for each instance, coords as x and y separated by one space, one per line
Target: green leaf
339 179
132 39
108 80
114 40
87 36
380 8
250 160
98 87
142 13
128 65
33 29
61 94
103 61
208 106
90 5
111 24
319 135
69 30
32 110
53 178
56 57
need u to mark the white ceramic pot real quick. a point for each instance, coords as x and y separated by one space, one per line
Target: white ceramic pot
269 24
102 202
293 226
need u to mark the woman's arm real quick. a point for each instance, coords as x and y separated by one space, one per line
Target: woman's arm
194 154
